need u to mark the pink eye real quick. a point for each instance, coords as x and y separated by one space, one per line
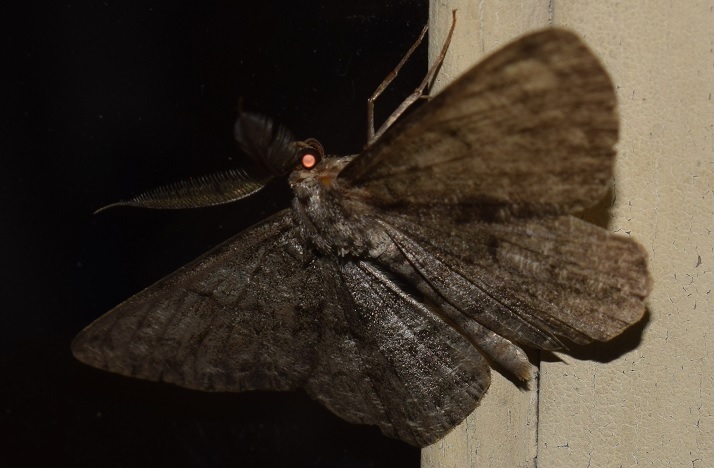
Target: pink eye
308 160
309 153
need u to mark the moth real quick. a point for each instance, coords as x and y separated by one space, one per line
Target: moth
399 276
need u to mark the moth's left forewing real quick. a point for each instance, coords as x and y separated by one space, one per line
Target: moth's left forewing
532 126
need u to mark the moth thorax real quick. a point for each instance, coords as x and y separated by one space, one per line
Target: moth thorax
330 226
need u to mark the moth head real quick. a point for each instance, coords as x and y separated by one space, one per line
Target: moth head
314 171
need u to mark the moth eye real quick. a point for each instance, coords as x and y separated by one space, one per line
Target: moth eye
308 160
310 153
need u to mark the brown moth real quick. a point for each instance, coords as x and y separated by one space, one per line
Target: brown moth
400 275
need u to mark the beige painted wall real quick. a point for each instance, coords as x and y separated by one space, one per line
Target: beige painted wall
652 405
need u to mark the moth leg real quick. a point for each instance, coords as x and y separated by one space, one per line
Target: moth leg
387 80
412 98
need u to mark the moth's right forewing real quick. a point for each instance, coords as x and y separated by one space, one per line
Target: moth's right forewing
533 126
238 318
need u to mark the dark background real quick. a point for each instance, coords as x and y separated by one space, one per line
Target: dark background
103 100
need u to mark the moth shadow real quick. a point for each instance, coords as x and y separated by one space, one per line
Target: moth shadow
599 214
604 352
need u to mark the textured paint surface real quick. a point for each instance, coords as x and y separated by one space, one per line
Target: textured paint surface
651 406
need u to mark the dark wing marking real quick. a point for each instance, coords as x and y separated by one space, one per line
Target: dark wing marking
532 127
386 359
238 318
534 280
